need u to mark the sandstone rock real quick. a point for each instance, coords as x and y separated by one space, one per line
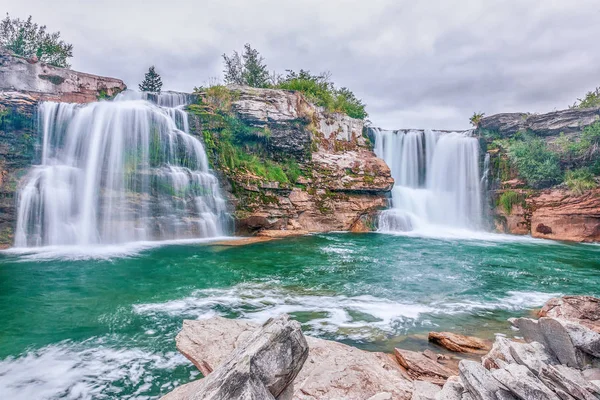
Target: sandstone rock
549 124
521 382
421 367
499 355
559 341
480 383
458 343
261 367
569 381
45 82
453 390
276 234
332 371
584 310
425 391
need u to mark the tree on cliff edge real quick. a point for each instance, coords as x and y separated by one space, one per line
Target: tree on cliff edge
27 39
249 69
152 81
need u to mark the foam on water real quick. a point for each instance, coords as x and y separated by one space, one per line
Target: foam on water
341 317
86 371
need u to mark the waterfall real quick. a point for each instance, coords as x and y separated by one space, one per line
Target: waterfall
437 180
116 172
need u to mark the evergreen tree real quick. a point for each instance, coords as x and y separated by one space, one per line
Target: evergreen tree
152 81
249 69
27 39
255 72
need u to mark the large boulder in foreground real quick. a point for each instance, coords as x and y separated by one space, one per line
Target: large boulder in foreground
332 370
261 367
580 309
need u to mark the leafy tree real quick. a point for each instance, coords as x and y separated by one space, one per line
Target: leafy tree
152 81
249 69
591 100
28 39
476 118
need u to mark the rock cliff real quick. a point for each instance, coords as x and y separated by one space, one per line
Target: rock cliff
554 213
308 170
45 82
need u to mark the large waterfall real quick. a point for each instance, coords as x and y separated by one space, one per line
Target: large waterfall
116 172
437 180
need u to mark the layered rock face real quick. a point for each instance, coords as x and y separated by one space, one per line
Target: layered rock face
45 82
22 86
342 183
556 213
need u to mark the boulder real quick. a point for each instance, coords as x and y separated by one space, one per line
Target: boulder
531 355
332 370
567 381
499 355
453 390
559 341
421 367
529 330
458 343
261 367
580 309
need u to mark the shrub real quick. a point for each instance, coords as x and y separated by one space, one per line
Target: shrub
591 100
580 180
28 39
535 163
509 199
476 118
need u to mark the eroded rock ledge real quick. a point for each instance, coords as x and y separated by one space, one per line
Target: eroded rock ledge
558 360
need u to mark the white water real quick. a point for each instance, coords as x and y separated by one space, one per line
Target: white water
437 181
116 172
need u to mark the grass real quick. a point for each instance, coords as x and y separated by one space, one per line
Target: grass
580 180
509 199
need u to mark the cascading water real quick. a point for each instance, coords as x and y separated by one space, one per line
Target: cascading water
437 180
116 172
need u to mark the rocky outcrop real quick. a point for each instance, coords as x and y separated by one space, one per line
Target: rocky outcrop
549 124
584 310
331 371
341 184
263 366
45 82
557 214
558 361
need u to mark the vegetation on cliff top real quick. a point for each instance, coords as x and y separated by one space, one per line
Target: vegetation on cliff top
590 100
28 39
250 69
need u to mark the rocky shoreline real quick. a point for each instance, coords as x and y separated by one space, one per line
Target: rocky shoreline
554 357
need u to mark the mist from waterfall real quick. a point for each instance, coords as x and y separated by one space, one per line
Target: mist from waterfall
116 172
437 180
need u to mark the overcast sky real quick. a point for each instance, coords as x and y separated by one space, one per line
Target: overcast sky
415 63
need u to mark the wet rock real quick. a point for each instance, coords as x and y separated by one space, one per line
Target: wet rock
522 383
421 367
425 391
259 368
559 341
332 370
580 309
457 343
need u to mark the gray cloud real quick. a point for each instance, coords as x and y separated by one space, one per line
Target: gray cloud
426 64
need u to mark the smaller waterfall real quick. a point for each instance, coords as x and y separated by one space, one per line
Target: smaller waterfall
437 180
119 171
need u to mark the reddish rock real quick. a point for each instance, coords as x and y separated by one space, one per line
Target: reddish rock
420 367
458 343
580 309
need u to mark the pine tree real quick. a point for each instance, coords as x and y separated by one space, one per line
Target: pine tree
152 81
255 72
